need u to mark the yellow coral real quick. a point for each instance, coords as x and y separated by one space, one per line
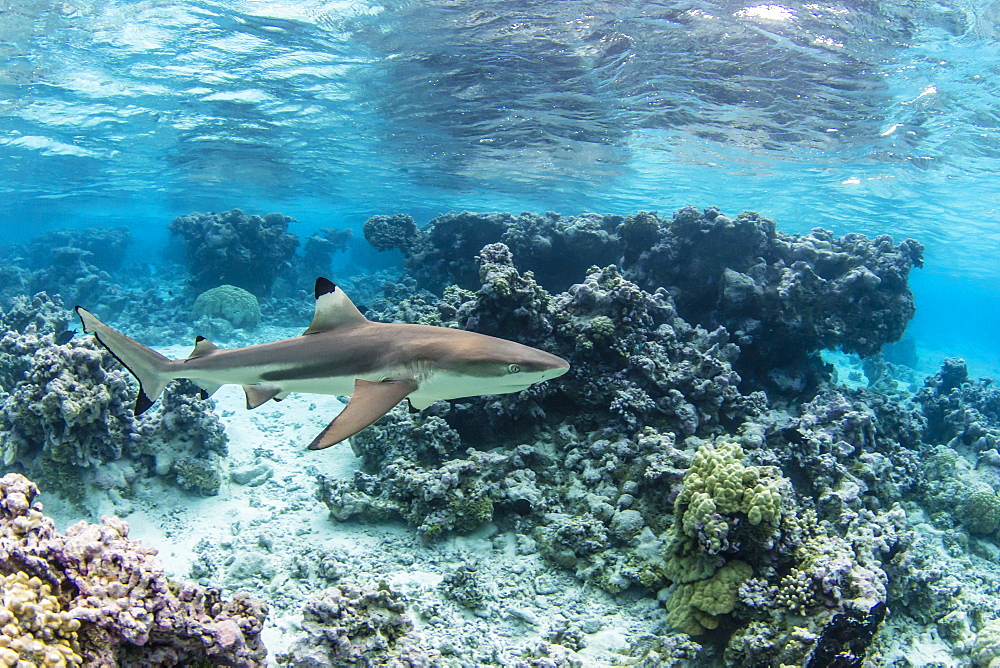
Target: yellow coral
34 630
719 474
695 607
716 489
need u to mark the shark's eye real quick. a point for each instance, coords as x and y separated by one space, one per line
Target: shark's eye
513 368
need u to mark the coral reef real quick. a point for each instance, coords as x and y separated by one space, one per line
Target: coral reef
390 232
633 362
319 249
781 297
699 458
96 597
234 305
556 248
65 418
959 411
102 247
234 248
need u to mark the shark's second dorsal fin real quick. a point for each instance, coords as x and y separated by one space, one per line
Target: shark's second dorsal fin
333 308
202 346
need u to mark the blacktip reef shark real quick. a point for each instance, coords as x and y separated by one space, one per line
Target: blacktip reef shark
342 352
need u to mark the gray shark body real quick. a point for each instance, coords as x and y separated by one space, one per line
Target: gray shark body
341 353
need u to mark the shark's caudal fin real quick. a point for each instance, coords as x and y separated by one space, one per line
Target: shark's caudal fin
150 368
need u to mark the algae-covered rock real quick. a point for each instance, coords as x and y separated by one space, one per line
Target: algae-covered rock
233 304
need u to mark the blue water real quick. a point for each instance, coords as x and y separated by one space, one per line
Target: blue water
852 116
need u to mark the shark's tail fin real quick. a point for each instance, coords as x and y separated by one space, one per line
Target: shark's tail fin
150 368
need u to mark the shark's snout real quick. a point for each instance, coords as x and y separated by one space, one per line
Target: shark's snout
559 367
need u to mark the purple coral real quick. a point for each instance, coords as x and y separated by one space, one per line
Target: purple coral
130 613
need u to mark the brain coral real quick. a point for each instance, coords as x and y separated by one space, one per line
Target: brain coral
230 303
981 512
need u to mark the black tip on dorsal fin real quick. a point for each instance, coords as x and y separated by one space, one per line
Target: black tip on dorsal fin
324 286
199 339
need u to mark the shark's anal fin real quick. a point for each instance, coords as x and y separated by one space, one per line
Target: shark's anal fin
259 394
369 402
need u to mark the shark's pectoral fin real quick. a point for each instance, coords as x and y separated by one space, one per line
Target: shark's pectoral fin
369 402
259 394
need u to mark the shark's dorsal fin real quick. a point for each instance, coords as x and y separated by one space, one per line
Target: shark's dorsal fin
369 402
202 346
333 308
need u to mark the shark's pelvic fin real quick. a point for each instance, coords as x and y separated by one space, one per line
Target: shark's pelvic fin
333 308
369 402
259 394
151 369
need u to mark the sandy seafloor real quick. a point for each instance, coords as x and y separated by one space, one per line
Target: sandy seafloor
254 534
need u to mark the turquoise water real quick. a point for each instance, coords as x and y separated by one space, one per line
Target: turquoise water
849 116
